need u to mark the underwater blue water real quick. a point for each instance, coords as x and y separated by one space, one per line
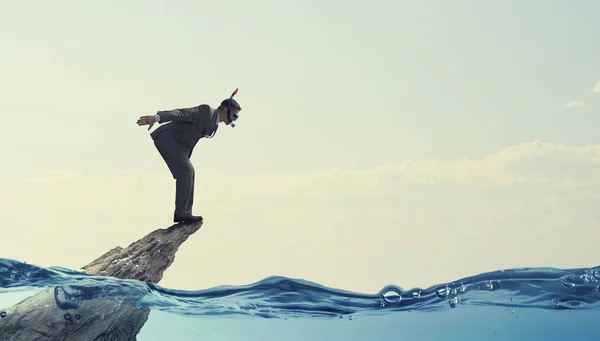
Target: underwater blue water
513 304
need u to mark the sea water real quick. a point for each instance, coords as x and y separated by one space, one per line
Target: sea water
511 304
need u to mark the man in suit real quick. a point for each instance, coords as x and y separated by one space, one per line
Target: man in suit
175 142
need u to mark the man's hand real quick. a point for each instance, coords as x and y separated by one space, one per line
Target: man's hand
149 119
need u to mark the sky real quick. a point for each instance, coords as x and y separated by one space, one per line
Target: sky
391 142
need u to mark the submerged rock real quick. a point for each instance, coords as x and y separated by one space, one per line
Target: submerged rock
44 316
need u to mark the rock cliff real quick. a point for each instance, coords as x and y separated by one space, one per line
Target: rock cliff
56 313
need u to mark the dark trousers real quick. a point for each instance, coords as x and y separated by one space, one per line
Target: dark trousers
177 158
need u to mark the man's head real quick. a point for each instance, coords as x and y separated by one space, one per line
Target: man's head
222 110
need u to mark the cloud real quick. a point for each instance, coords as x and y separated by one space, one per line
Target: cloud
597 88
532 163
575 104
530 199
53 176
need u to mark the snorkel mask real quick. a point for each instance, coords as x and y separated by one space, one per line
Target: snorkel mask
229 114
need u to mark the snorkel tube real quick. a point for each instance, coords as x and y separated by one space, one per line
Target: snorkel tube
235 117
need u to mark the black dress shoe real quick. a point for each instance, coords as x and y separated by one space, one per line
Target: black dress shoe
187 219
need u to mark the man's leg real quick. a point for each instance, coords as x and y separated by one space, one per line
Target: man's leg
176 158
192 180
184 188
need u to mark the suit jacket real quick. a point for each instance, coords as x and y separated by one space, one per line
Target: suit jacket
188 125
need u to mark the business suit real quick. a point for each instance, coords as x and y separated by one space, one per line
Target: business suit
175 142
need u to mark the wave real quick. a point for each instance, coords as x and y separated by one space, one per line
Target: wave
283 297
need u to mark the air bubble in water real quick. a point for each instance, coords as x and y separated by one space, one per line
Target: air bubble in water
442 292
67 298
489 285
2 314
416 295
391 295
567 283
68 317
453 302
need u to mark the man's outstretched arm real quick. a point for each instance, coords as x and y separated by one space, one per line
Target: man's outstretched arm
192 115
